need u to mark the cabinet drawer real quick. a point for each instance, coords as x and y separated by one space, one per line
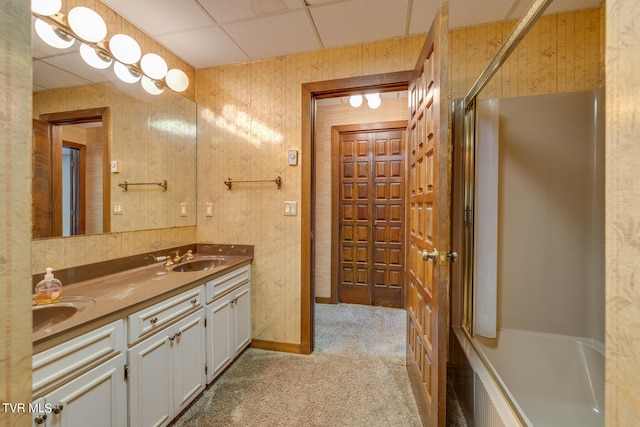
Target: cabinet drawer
57 364
156 317
220 285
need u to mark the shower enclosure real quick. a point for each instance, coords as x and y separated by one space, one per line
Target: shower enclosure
527 342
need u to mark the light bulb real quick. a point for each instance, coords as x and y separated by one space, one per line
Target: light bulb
46 7
373 100
125 49
87 24
94 58
153 66
151 86
54 37
355 101
177 80
125 74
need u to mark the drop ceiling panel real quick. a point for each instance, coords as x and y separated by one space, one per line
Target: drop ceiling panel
50 77
205 47
422 13
272 36
359 21
161 16
225 11
74 63
465 13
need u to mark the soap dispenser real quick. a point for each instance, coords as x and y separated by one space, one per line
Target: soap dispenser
48 290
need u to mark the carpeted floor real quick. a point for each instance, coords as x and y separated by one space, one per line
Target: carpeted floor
355 377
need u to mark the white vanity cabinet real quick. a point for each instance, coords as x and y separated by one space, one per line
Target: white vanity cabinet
228 318
166 369
82 382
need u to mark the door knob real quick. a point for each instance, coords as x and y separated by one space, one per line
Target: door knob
429 256
453 256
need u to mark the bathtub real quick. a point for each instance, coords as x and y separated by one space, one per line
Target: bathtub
552 380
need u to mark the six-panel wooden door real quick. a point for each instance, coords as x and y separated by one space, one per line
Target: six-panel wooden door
371 221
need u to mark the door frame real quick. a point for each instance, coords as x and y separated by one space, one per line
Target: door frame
310 92
335 181
100 114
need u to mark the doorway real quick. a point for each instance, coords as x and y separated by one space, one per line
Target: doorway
71 183
317 173
370 201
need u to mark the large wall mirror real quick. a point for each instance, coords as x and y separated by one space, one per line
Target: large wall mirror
98 132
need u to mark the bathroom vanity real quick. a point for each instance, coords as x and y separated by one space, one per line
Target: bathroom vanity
143 343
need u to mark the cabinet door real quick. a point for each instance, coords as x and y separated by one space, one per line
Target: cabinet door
188 359
151 381
219 329
242 317
97 398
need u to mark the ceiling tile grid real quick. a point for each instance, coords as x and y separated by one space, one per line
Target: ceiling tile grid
209 33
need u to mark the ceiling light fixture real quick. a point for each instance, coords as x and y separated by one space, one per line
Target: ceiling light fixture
87 24
153 66
121 50
355 101
373 100
53 36
46 7
125 49
126 73
95 58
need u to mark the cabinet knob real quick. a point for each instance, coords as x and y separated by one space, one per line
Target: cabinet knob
178 334
153 320
40 419
57 409
172 337
194 301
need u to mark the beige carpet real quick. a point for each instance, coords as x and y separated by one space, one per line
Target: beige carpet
355 377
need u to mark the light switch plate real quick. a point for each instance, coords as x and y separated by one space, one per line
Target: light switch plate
209 209
293 157
183 209
291 208
115 166
117 208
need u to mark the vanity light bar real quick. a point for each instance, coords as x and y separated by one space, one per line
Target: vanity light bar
174 79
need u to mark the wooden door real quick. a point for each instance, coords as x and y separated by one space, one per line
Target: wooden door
371 219
428 225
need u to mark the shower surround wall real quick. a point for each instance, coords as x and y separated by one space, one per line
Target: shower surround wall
551 214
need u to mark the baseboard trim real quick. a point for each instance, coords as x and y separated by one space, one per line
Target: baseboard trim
325 300
277 346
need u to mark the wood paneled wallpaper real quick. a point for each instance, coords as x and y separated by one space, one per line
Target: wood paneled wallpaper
249 116
561 53
65 252
622 232
15 208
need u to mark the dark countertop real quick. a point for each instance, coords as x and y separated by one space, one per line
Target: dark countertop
114 296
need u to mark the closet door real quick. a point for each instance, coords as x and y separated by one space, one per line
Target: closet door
371 228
